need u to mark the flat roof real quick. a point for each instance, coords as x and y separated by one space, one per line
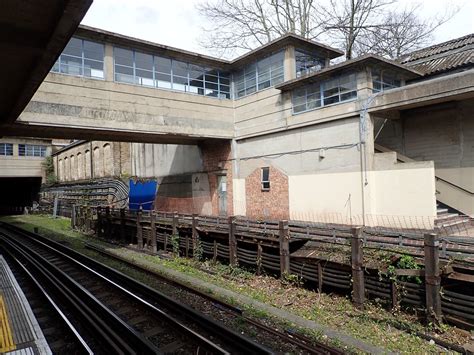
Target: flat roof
32 36
181 54
358 62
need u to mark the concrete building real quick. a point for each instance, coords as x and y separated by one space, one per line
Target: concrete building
276 133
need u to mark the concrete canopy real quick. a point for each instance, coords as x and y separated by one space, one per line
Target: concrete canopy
32 36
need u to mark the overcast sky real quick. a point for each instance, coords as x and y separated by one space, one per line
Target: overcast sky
177 23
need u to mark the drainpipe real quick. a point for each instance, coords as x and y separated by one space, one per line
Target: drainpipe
362 148
92 161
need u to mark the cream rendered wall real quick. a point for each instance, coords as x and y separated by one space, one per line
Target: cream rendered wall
238 196
23 166
77 102
157 160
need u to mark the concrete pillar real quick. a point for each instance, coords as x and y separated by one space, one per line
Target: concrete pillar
289 63
109 62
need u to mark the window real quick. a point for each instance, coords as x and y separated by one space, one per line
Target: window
30 150
384 80
307 63
328 92
138 68
6 149
257 76
265 179
81 58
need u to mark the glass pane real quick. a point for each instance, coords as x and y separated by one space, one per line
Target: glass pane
180 68
143 61
123 56
180 83
313 104
299 100
265 174
277 80
210 92
163 80
196 87
123 70
71 69
263 85
65 59
348 95
196 72
93 69
331 100
224 78
74 47
93 50
212 78
144 77
55 67
212 86
163 65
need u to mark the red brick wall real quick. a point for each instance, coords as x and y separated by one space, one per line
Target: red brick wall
216 161
272 204
181 204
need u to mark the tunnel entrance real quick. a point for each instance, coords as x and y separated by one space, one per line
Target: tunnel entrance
17 193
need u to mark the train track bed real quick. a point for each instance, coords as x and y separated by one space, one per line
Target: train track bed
269 333
125 315
266 332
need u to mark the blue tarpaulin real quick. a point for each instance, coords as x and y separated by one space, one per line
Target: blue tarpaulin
142 193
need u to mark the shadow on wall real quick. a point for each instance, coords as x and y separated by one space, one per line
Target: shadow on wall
185 193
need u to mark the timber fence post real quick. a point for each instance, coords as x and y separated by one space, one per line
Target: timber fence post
107 223
139 229
73 216
153 231
357 257
284 247
99 222
122 225
195 235
232 242
432 278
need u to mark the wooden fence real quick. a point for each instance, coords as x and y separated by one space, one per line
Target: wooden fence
278 246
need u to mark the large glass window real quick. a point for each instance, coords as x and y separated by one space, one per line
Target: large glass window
263 74
30 150
328 92
384 80
6 149
148 70
81 58
307 63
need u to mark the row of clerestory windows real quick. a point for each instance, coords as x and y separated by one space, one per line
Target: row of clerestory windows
138 68
324 93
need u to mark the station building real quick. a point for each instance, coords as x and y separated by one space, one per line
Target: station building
278 133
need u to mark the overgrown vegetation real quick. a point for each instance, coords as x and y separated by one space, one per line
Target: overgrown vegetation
48 166
374 325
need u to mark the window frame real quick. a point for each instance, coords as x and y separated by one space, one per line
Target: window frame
6 149
32 150
83 59
158 74
341 92
262 181
250 73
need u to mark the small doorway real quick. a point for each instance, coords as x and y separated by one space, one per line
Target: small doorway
222 194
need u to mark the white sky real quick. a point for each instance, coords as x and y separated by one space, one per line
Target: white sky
177 23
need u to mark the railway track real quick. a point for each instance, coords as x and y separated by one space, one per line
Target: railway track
112 311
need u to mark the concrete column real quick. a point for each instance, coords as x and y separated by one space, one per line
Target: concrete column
289 63
109 62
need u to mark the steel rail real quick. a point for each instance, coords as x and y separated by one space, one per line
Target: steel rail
81 346
232 339
114 334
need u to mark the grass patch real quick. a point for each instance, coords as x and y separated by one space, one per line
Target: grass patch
375 325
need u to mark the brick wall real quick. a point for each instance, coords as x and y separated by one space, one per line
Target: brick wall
272 204
216 161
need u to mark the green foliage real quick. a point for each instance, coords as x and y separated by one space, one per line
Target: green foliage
291 279
48 166
175 244
197 252
408 262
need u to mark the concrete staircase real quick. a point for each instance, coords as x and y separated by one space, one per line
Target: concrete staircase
450 220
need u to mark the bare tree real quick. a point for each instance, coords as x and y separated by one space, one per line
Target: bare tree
357 26
245 24
402 32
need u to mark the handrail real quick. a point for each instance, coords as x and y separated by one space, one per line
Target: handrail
454 185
